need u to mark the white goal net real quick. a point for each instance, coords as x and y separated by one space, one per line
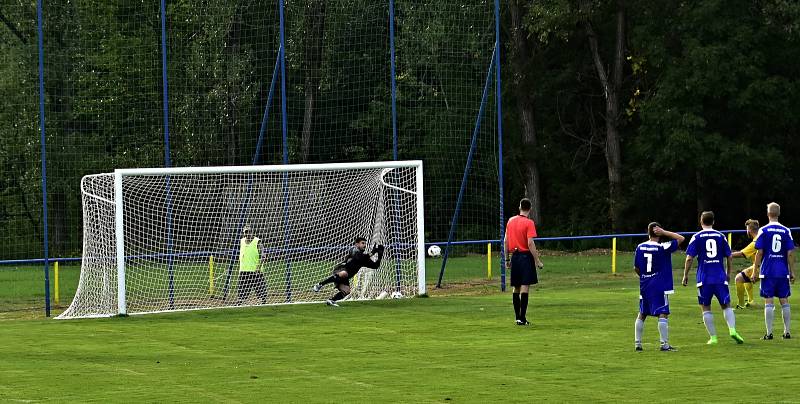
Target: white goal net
164 239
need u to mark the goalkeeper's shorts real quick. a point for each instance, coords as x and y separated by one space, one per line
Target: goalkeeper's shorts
344 281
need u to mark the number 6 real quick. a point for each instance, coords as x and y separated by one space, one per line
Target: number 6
776 243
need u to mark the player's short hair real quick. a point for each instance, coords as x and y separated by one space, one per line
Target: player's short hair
359 239
650 228
525 204
752 225
773 209
707 218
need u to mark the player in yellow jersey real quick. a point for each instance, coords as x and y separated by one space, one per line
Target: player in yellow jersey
748 276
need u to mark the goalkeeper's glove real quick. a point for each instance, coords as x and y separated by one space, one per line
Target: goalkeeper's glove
377 248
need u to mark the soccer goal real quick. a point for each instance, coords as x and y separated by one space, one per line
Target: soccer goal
167 239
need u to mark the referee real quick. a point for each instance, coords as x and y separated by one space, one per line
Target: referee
520 232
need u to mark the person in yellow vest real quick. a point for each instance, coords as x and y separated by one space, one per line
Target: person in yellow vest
748 276
251 279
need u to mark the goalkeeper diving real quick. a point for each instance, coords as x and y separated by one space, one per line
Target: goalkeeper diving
356 259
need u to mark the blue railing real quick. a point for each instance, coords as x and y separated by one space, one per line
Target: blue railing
232 252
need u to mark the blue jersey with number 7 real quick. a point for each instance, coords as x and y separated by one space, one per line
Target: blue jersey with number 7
654 261
775 240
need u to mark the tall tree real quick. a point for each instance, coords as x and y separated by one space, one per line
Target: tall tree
611 82
521 55
559 26
312 59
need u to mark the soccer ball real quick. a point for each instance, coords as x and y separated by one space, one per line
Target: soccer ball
397 295
434 251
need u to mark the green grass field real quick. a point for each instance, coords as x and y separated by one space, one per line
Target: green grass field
459 345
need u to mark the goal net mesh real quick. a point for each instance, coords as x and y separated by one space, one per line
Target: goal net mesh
182 235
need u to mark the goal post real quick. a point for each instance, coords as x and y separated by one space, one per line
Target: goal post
150 234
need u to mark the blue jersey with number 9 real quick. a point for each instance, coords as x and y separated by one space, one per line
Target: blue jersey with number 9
711 250
775 241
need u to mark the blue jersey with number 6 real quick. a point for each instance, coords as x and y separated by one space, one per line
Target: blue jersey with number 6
654 261
775 240
710 248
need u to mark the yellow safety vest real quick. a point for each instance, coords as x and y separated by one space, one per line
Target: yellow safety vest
248 255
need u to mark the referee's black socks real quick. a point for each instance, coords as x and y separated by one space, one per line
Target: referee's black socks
523 306
516 305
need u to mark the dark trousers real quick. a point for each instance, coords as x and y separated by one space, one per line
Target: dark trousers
252 282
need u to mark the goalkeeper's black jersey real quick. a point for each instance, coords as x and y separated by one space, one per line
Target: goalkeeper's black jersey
355 260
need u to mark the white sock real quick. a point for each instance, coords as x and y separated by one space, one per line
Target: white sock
769 315
786 319
638 331
663 331
708 320
730 318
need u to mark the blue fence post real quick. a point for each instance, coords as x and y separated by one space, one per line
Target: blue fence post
263 128
498 91
285 130
394 80
44 158
256 157
395 141
282 55
167 159
472 146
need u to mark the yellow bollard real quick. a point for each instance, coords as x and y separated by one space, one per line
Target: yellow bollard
488 260
614 255
210 274
55 271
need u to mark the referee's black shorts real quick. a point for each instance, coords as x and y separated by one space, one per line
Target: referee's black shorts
523 271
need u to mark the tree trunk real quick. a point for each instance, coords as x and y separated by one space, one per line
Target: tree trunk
63 141
611 88
701 194
58 222
308 114
233 135
315 17
232 82
32 211
12 28
521 56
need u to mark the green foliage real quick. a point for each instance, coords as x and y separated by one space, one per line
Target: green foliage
717 123
710 98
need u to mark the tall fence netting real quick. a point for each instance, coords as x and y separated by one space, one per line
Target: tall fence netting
105 109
